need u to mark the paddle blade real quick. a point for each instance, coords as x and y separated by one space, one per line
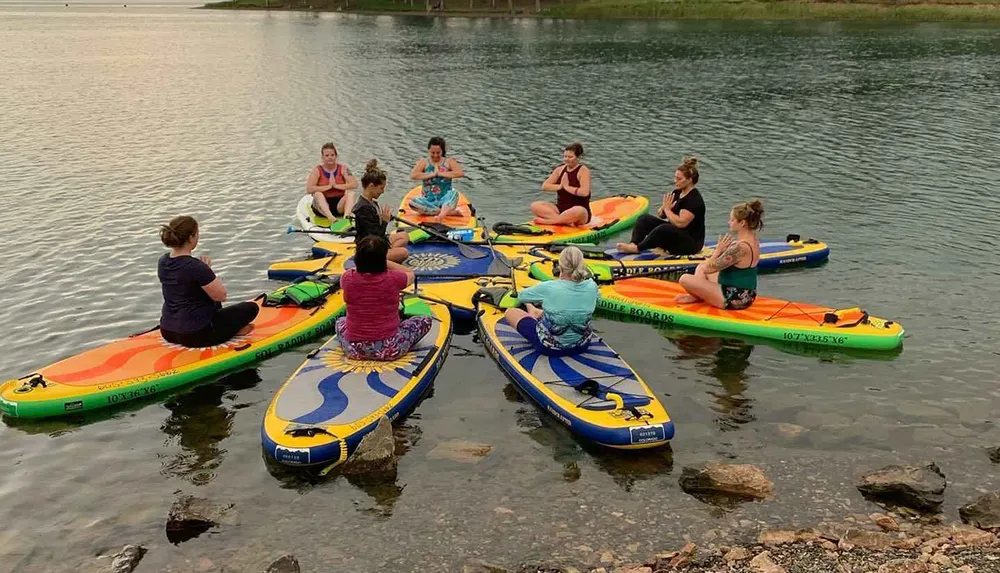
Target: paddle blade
471 252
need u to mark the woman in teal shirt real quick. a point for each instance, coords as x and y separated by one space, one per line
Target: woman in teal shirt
728 279
562 325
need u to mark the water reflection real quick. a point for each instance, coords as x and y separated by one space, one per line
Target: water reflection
625 467
199 422
383 489
726 361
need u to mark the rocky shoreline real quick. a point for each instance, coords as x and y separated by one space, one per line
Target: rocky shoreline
910 535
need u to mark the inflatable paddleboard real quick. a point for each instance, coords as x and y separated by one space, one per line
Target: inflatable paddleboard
146 364
609 215
316 225
595 393
431 261
654 300
324 409
774 254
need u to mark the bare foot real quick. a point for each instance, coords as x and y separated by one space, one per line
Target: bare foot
540 221
686 299
627 248
245 330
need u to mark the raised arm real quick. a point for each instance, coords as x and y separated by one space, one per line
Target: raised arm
584 189
312 183
418 173
393 266
552 183
350 181
454 170
727 254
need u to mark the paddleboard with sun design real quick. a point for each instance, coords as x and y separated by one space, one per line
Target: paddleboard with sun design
145 364
324 409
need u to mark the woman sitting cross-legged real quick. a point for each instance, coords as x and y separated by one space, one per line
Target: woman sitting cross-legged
729 278
562 325
372 329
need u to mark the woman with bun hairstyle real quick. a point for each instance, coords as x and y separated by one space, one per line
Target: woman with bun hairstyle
372 329
330 184
562 325
193 314
679 227
570 181
728 279
371 219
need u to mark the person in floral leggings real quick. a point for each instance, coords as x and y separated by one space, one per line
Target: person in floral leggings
372 329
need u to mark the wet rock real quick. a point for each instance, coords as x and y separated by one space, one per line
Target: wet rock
886 522
994 454
984 512
632 569
191 516
607 558
376 454
461 451
736 554
867 539
973 537
125 560
479 566
903 566
920 487
742 480
764 564
941 559
776 537
539 567
284 564
909 543
571 471
790 430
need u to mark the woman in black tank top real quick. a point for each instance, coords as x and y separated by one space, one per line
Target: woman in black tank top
681 230
571 183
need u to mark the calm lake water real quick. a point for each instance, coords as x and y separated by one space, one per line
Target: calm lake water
881 140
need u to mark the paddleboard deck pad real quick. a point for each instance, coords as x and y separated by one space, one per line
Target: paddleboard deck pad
316 225
595 393
320 414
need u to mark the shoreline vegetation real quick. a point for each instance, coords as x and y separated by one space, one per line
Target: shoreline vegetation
865 10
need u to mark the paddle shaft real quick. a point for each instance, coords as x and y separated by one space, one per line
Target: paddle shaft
468 252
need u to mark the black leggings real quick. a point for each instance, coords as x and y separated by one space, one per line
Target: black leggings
652 232
226 322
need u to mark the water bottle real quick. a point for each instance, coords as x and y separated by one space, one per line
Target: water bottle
461 234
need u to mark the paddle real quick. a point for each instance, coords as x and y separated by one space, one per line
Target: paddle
467 251
320 231
449 305
500 263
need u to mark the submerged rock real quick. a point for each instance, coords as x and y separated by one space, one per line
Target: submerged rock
191 516
376 453
994 454
125 560
461 451
984 512
743 480
284 564
479 566
920 488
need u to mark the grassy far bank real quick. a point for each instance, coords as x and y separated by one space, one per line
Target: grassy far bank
909 11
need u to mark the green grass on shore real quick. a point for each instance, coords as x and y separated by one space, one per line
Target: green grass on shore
908 11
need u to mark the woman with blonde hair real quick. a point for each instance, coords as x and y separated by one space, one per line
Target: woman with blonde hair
562 325
729 278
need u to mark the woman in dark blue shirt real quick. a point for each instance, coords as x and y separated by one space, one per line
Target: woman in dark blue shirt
192 313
